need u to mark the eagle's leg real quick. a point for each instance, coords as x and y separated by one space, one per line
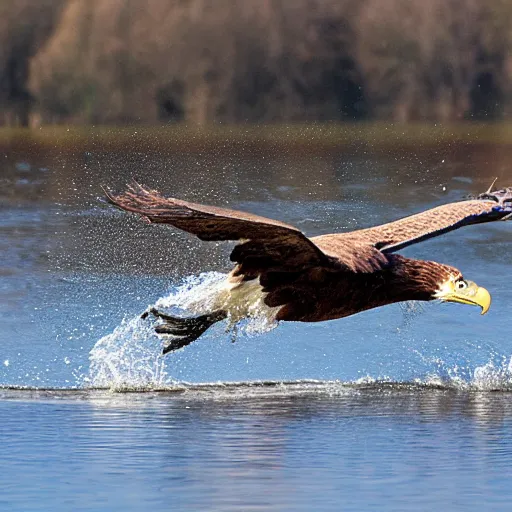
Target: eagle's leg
184 330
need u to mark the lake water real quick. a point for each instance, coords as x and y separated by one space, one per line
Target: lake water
406 407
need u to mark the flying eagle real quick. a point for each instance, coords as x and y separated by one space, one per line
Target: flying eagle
325 277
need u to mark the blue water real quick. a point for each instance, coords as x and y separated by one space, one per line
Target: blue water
401 408
336 449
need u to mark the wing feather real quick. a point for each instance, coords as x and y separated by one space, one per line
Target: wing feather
394 236
265 243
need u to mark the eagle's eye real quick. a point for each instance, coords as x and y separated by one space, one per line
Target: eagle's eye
460 285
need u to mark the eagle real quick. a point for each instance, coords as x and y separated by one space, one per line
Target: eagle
300 279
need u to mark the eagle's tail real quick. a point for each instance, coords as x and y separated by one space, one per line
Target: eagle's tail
183 331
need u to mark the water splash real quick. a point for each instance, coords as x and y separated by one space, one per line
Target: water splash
208 292
196 293
130 357
495 375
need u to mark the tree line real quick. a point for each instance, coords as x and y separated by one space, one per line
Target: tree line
235 61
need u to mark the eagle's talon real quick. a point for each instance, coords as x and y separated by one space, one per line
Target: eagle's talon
150 311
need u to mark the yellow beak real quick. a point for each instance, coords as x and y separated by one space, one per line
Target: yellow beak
473 295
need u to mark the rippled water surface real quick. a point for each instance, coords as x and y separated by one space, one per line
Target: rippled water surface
401 408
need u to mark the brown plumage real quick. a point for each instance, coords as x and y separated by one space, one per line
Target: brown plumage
329 276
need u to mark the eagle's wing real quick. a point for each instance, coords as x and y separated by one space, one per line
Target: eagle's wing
265 244
394 236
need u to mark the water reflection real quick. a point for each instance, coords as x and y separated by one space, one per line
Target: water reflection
313 164
271 402
228 449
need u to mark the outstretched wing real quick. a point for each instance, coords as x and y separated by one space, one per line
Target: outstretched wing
394 236
265 244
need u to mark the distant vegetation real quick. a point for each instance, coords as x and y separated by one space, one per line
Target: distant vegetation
202 61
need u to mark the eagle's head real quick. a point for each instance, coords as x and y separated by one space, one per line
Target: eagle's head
430 280
454 288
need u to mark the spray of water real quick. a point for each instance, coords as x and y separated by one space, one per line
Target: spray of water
130 357
495 375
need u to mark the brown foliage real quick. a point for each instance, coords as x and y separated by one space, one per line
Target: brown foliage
198 60
24 25
427 60
126 61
